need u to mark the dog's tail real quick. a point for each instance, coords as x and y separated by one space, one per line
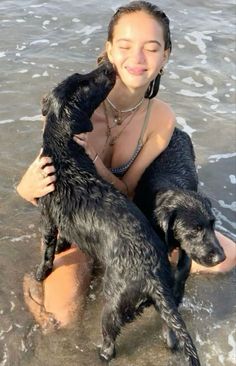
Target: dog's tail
164 302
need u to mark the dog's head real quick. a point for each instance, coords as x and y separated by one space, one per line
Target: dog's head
187 219
70 104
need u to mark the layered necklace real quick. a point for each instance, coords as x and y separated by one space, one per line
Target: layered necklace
119 115
112 139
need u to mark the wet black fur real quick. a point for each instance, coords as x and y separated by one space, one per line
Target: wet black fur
167 194
87 210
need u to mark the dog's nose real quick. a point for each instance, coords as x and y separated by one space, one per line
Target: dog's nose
218 257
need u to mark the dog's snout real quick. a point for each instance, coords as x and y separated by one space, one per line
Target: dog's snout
218 257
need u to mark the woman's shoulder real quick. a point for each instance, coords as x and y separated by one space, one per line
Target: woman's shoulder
162 118
162 110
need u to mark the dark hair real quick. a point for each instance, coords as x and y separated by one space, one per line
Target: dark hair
156 13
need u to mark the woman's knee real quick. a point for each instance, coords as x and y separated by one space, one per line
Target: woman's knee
64 290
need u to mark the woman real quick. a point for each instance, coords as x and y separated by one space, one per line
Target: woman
131 128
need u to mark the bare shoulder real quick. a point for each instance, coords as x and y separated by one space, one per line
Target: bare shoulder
162 112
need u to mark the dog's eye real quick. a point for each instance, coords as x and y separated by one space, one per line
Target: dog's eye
199 227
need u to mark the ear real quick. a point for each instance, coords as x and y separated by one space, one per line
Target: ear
109 51
169 224
80 122
165 58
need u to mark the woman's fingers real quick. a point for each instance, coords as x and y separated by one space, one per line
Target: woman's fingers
49 169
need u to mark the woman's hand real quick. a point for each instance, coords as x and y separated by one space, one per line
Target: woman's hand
38 180
82 140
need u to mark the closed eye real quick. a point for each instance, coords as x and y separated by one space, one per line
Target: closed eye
150 50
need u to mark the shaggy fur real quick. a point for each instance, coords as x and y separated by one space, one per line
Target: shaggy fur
182 217
103 222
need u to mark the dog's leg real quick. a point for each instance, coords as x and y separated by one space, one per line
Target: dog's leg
49 238
180 277
110 330
164 302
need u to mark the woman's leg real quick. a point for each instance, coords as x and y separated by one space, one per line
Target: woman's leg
60 300
230 262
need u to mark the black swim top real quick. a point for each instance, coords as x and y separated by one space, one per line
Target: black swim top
122 169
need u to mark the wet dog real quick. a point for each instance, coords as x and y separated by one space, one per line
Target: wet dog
167 194
87 210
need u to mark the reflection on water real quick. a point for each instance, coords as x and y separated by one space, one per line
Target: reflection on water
41 43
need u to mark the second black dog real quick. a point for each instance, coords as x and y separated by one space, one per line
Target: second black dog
104 223
167 195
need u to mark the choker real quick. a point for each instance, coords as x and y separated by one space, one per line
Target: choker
117 118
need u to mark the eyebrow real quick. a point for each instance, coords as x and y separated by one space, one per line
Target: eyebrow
151 41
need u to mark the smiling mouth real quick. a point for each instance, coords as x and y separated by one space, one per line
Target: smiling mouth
136 70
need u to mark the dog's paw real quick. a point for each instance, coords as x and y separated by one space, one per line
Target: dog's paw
42 272
170 337
106 354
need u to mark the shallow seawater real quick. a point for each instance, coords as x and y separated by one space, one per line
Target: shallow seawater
41 43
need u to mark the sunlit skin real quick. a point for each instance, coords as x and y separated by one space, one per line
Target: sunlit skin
138 57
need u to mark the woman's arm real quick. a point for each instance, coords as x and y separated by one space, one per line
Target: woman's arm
38 180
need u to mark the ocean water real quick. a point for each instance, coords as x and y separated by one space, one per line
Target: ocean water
42 42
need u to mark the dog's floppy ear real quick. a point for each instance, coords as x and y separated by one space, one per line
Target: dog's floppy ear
80 122
168 228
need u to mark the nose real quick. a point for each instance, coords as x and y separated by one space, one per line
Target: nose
138 55
217 257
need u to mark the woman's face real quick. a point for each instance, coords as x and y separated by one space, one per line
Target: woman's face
137 49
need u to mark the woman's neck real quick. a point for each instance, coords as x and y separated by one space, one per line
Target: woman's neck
124 98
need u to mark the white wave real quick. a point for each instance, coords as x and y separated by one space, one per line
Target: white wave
186 128
20 20
221 218
75 20
12 306
196 38
191 81
36 76
217 157
232 353
6 121
6 331
88 29
232 179
38 5
21 238
22 71
207 95
33 118
2 54
227 59
232 206
4 356
208 80
20 48
85 41
39 41
173 75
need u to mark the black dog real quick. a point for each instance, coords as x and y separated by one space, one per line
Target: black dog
182 217
89 211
